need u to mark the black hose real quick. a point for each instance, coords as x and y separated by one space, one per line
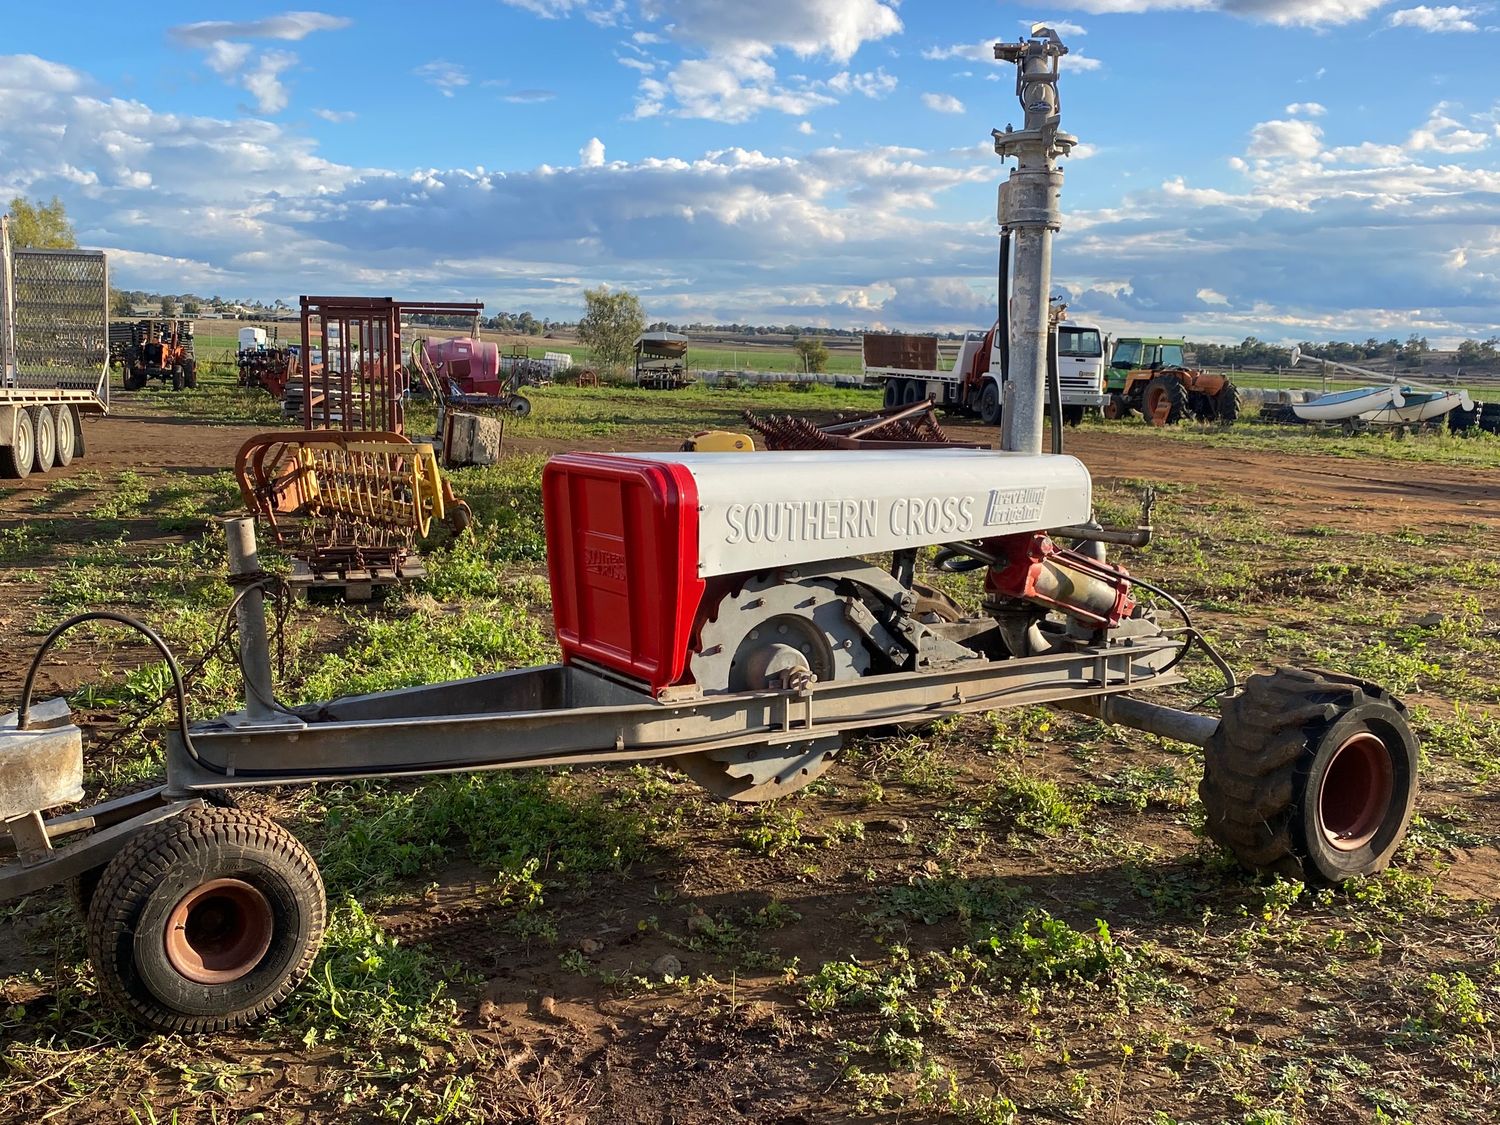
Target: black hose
1054 390
180 690
1002 317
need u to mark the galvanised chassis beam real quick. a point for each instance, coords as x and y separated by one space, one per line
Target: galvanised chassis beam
580 715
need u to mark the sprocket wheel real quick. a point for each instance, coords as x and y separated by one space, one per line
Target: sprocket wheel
765 636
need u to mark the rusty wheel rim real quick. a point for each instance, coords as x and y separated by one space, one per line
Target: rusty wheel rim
219 931
1157 406
1355 794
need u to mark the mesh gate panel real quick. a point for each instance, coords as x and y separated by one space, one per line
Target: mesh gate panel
61 319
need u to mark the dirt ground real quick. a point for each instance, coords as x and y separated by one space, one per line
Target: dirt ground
737 1043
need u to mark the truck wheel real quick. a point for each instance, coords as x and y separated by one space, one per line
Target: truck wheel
206 921
65 423
1227 404
1311 775
1165 401
911 392
989 403
1072 415
17 458
45 429
893 392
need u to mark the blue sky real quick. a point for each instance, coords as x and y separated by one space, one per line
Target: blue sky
1288 170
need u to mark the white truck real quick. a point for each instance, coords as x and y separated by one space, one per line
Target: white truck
911 369
54 353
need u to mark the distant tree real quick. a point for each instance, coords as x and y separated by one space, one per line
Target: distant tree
168 305
41 226
611 322
190 307
1470 351
813 353
120 304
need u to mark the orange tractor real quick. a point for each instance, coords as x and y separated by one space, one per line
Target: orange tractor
1151 378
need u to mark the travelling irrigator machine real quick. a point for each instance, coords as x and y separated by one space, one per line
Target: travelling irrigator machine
717 612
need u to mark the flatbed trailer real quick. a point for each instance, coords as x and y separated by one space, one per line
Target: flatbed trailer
54 353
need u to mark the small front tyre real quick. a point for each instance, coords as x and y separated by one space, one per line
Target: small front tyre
1311 775
206 921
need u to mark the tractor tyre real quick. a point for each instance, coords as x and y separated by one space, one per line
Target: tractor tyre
1165 401
190 374
1311 775
1489 417
1117 407
65 423
1227 405
134 380
17 459
206 921
44 426
179 379
989 403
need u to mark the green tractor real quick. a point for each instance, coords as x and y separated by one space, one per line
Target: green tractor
1150 377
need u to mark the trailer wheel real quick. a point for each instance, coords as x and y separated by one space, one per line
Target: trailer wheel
206 921
66 425
519 405
1311 775
45 430
17 458
989 403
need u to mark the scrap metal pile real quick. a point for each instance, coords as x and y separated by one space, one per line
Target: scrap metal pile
901 427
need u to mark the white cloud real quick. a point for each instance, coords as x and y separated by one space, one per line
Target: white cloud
228 56
942 103
1064 28
1443 134
805 128
1306 13
1272 139
872 84
336 116
443 76
591 155
290 26
832 28
1445 18
263 81
1306 109
531 97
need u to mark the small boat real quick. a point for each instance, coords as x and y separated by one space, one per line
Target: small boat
1342 406
1413 407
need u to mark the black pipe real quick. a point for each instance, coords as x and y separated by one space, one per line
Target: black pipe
1002 320
1054 390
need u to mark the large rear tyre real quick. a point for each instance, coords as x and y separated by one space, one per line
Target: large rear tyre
17 458
44 426
1166 401
893 393
179 378
206 921
989 403
1311 775
65 422
190 374
911 392
1227 405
